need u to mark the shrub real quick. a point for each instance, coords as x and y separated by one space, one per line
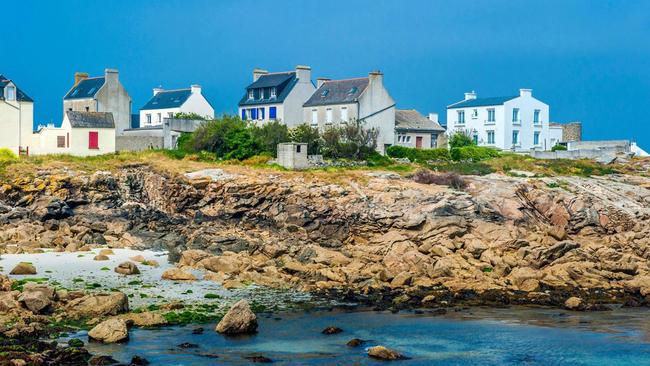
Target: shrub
352 141
460 139
181 115
6 155
269 135
309 135
473 153
419 155
558 147
449 179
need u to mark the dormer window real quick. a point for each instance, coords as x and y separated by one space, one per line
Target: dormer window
273 92
250 94
10 92
261 93
352 90
324 93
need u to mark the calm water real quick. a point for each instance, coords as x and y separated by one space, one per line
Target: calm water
515 336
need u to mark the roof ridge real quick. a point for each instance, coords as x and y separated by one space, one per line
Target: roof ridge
173 90
339 80
94 77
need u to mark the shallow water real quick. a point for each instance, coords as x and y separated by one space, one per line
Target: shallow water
473 337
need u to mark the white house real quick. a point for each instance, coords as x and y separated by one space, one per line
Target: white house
80 134
518 123
167 103
364 99
277 96
100 94
16 117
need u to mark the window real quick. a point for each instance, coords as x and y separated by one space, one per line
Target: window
490 137
87 109
148 120
159 117
515 115
243 114
297 148
314 117
474 113
515 137
273 112
344 114
434 140
536 138
491 115
262 112
461 117
261 93
475 139
250 94
60 141
328 115
324 93
253 113
170 114
273 92
93 140
536 116
11 93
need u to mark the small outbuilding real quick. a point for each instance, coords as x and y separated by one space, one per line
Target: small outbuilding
293 155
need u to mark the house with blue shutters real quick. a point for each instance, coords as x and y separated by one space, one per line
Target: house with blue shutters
277 96
516 123
100 94
167 103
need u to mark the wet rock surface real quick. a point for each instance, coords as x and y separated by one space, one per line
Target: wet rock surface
238 320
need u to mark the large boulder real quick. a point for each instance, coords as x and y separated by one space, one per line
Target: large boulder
574 303
144 319
177 274
23 268
221 264
127 268
37 298
383 353
8 301
240 319
110 331
192 257
97 305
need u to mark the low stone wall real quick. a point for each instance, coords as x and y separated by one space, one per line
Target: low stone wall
579 154
138 143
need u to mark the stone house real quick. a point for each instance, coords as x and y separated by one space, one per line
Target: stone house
518 122
16 117
100 94
414 130
167 103
277 96
365 99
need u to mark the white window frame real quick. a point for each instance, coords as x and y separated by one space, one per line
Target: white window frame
474 113
147 118
344 114
10 92
536 135
491 115
170 114
273 95
536 115
461 117
328 115
515 116
159 117
261 93
314 117
491 134
251 94
515 137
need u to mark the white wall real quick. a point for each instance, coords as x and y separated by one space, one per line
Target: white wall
16 124
374 99
555 135
503 125
164 113
195 103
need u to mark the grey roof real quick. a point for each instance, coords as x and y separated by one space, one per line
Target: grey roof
412 120
480 102
338 92
20 95
168 99
87 88
90 119
283 82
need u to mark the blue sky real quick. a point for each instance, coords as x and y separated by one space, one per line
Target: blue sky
589 60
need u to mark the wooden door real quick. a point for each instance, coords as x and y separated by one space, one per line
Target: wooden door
418 142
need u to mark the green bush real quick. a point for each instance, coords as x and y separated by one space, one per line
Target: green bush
309 135
558 147
269 135
418 155
473 153
460 139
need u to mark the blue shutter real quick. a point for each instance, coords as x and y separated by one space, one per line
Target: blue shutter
254 113
272 112
243 114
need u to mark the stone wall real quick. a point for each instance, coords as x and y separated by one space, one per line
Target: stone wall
572 131
138 143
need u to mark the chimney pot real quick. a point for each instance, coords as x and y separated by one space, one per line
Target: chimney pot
526 92
196 89
78 76
433 117
470 95
258 72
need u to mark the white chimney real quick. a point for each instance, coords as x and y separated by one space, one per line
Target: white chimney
303 73
433 117
257 73
375 77
470 95
196 89
321 81
157 90
525 92
111 75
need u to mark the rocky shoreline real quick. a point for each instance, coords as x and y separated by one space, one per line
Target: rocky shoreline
371 239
